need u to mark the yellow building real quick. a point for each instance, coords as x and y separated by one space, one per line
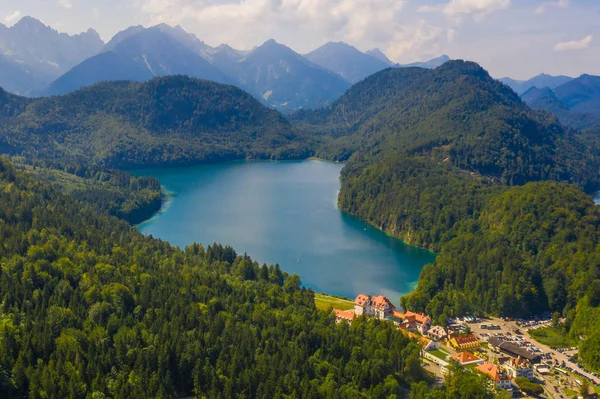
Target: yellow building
464 342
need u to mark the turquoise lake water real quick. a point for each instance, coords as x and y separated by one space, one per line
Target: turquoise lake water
286 213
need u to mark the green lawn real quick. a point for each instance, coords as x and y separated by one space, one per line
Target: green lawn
440 354
324 302
551 337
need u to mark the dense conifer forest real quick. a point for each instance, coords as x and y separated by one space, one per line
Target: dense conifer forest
90 308
168 121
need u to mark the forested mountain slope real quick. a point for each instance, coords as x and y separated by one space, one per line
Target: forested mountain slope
576 103
457 114
113 192
528 250
172 120
91 308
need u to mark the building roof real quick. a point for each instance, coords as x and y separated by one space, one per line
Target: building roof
465 357
399 315
495 341
362 300
381 302
517 351
419 317
492 370
408 325
466 339
519 362
437 330
344 314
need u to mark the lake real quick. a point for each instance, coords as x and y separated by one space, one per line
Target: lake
286 213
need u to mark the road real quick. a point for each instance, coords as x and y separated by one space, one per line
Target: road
512 327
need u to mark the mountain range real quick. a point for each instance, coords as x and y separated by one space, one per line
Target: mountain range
138 56
37 60
576 102
541 80
347 61
32 54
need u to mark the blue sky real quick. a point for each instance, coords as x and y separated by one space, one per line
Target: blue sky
517 38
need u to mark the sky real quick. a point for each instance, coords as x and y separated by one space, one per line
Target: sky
516 38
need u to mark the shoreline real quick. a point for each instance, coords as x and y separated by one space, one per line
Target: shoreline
168 197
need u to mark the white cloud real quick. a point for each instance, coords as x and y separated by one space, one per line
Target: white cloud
430 8
558 4
65 4
12 18
478 9
249 21
96 13
575 44
417 41
450 35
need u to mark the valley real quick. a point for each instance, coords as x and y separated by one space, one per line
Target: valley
178 218
285 213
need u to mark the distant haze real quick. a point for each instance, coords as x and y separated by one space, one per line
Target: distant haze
512 38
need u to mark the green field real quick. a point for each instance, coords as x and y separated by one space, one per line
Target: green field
551 337
440 354
324 302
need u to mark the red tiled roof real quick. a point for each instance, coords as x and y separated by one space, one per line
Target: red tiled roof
381 302
361 300
465 357
519 362
399 315
344 314
491 370
419 317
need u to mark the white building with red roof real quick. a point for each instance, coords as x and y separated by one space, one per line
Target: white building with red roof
498 377
343 315
467 358
373 306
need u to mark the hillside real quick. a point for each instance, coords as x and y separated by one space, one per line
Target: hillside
457 114
581 94
283 79
540 81
547 99
91 308
33 54
168 121
138 56
112 192
454 161
528 250
430 64
380 55
576 102
347 61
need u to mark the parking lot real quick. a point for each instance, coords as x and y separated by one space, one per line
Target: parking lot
566 374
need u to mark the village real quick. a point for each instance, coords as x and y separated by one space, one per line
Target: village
500 349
